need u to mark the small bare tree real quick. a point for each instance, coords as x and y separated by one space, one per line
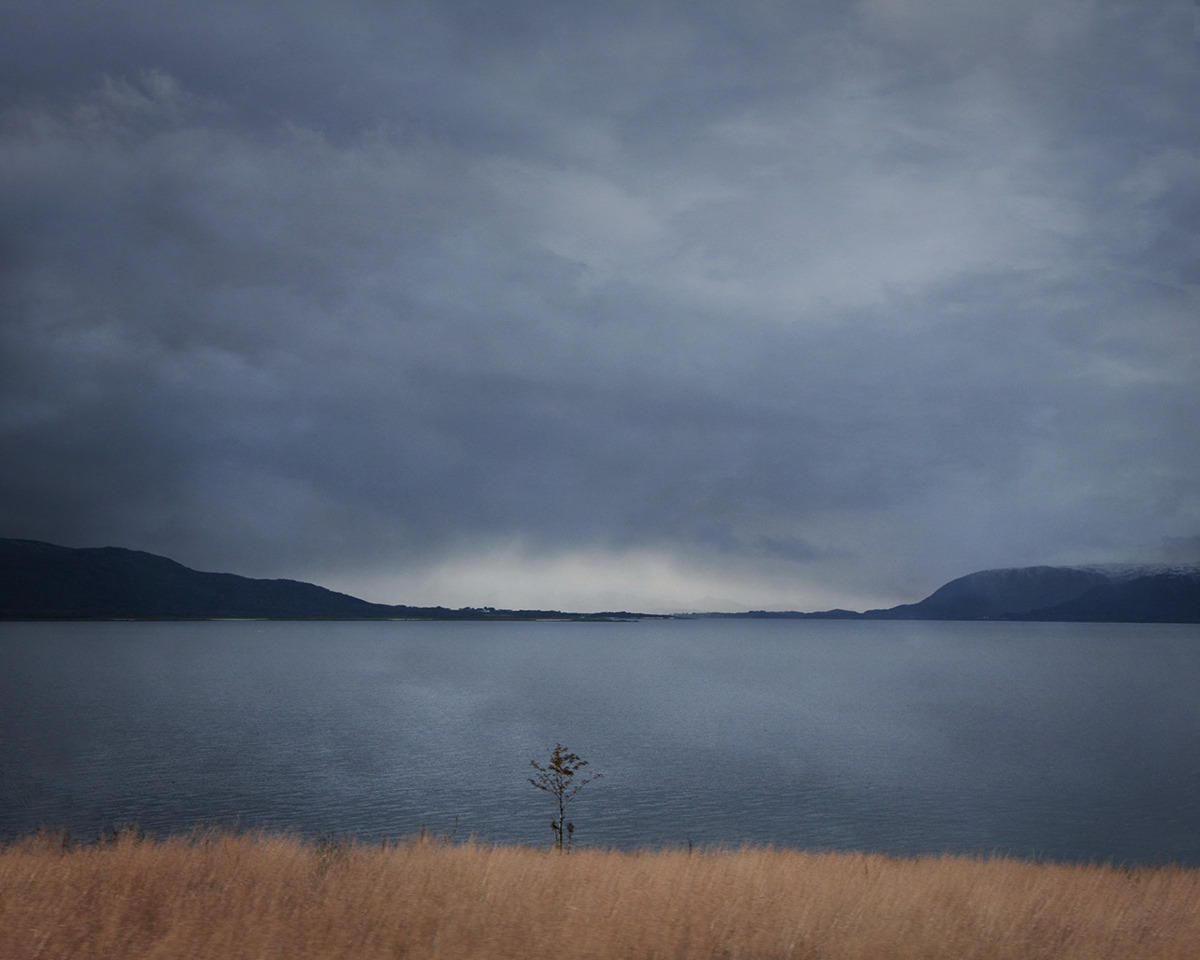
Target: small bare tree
557 778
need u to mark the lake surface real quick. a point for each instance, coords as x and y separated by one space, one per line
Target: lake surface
1060 741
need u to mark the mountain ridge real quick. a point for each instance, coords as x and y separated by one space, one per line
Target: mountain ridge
1102 593
42 581
1110 593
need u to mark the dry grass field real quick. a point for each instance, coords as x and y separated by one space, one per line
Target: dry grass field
227 897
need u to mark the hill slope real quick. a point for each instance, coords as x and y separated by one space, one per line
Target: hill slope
1137 594
40 581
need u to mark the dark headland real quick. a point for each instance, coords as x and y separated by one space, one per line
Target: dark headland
41 581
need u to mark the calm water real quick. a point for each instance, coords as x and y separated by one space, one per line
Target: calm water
1070 742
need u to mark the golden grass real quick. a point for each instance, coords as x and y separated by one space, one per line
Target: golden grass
263 897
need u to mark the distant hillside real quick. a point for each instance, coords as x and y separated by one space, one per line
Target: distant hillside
1150 598
40 581
1130 594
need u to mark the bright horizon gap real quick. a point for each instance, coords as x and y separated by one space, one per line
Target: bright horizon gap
642 581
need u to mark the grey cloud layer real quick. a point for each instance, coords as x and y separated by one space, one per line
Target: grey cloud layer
874 293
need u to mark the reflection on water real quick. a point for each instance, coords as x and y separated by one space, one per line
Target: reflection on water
1077 742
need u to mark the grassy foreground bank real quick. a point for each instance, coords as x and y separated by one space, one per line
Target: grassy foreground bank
264 897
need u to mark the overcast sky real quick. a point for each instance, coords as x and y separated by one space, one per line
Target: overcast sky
595 305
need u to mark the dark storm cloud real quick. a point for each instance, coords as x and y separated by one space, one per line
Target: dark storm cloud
819 301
